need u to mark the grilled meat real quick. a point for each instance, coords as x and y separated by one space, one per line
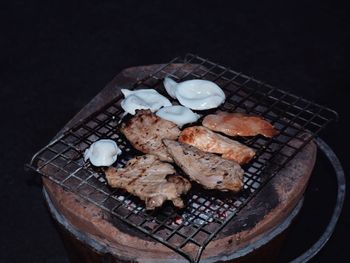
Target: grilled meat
151 180
209 170
208 141
240 124
145 132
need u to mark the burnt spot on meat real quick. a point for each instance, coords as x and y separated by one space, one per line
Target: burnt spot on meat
132 181
146 135
206 168
151 180
209 141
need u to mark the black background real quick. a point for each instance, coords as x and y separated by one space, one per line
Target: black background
56 57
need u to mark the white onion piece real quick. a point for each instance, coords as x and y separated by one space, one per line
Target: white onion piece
178 114
196 94
143 99
102 153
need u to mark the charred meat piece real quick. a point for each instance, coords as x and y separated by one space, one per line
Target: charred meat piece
239 124
209 170
145 132
208 141
151 180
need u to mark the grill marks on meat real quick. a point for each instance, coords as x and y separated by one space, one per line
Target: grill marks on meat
145 132
155 181
151 180
239 124
209 170
208 141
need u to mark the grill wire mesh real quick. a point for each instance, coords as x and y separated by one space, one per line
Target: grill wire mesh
186 231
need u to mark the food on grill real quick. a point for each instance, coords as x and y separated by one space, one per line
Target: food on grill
239 124
208 141
208 169
102 152
145 132
196 94
151 180
178 114
143 99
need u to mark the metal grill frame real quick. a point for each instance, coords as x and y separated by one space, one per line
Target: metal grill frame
295 118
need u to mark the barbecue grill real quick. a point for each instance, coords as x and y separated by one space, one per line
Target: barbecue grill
207 214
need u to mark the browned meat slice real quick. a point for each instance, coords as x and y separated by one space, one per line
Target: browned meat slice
145 132
151 180
240 124
209 170
208 141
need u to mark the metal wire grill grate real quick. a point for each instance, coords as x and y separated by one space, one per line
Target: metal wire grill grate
187 231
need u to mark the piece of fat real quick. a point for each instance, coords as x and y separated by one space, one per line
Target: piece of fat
102 152
143 99
196 94
178 114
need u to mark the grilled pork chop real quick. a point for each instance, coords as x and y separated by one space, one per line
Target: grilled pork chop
209 170
151 180
145 132
240 124
208 141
